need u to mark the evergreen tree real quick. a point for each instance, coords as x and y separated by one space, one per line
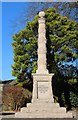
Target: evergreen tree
62 45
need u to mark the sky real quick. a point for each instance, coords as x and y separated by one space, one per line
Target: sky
0 40
10 12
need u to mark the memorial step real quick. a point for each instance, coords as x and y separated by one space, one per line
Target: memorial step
43 104
43 115
44 109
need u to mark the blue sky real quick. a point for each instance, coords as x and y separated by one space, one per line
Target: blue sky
0 40
10 12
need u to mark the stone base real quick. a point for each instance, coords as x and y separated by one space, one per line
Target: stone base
42 87
43 105
43 110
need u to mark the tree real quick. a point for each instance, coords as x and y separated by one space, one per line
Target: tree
14 97
62 50
62 47
68 9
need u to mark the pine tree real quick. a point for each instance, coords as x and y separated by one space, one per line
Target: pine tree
62 45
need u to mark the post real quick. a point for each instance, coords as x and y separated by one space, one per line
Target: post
42 65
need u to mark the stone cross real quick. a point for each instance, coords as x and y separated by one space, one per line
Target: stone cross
42 65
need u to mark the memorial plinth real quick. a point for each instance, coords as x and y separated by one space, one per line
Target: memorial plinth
42 105
42 88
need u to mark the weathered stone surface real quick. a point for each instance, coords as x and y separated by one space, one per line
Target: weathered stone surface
42 105
40 109
42 69
42 88
42 115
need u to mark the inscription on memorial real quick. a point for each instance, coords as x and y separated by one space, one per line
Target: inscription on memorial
43 88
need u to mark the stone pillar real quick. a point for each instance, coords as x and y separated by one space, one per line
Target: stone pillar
42 67
42 105
42 88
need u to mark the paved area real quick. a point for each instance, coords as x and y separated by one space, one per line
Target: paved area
7 116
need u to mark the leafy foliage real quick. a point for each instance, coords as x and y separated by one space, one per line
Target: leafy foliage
61 35
74 99
62 47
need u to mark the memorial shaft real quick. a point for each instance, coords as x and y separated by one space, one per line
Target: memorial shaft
42 104
42 65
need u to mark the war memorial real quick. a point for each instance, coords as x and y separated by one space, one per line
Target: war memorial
42 104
